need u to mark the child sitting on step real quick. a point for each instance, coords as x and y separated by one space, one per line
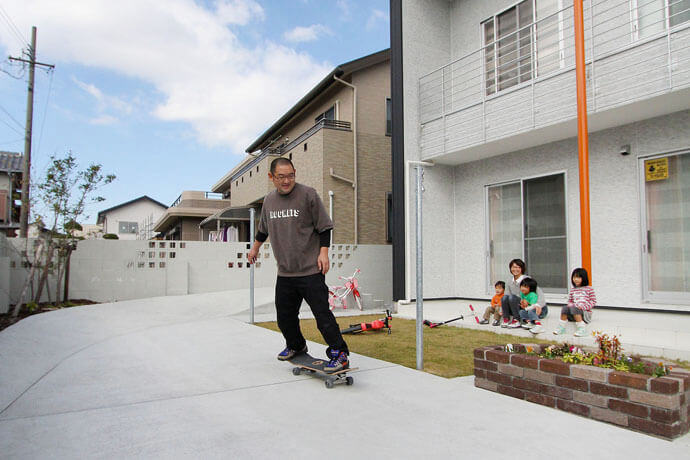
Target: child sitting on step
581 300
495 307
529 306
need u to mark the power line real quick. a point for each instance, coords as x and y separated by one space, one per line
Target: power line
13 119
13 28
45 111
11 127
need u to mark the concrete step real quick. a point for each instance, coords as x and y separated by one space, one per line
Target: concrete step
646 333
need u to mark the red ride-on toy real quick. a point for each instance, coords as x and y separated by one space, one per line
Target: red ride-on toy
373 326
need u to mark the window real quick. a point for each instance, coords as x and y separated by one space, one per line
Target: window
526 219
649 16
128 227
305 146
516 48
389 117
327 115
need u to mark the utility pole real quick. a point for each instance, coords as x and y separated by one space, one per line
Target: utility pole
24 214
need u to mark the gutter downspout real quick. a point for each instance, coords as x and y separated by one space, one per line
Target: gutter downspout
330 204
408 287
354 152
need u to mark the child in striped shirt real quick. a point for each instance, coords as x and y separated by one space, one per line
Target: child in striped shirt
581 301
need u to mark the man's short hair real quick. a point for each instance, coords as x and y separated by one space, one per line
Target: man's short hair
280 161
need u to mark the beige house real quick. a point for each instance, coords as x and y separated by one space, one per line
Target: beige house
338 137
181 220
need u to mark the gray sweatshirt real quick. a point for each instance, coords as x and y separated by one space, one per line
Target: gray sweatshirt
293 223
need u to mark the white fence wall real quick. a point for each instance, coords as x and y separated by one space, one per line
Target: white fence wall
113 270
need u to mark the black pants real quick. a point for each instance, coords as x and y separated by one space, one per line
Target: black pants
289 294
510 304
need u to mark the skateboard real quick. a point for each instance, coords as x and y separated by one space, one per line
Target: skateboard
307 363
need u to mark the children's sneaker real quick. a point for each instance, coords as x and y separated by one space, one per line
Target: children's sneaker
537 329
289 353
505 323
560 330
527 325
484 321
580 332
496 323
514 324
338 362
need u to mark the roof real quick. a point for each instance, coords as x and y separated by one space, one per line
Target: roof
340 71
144 197
11 162
232 213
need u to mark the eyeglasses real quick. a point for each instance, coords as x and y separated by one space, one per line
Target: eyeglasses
282 177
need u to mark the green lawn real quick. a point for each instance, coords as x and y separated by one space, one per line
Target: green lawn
448 351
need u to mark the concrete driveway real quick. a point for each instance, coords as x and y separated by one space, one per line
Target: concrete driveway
187 377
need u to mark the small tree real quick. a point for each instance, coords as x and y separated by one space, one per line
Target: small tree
63 194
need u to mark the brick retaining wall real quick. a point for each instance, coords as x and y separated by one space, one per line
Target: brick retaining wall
657 406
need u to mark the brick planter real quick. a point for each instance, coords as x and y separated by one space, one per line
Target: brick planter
656 406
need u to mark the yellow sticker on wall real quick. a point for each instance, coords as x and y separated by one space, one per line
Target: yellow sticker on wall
656 169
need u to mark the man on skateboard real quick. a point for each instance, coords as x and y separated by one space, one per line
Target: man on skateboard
295 218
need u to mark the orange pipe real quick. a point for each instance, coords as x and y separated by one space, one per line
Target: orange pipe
582 137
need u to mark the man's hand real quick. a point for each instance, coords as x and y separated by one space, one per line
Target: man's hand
322 261
253 252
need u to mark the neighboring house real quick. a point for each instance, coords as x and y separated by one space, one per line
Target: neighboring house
89 232
490 98
11 167
339 144
129 220
181 220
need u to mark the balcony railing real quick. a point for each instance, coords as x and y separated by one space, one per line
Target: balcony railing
207 196
287 146
524 79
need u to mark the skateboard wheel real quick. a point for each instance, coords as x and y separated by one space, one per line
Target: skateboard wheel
349 380
296 371
329 384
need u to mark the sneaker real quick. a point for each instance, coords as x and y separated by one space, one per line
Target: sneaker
537 329
527 325
560 330
505 322
338 362
289 353
580 332
496 323
514 324
484 321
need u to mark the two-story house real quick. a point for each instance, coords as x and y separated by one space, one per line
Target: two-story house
338 138
181 220
11 167
488 95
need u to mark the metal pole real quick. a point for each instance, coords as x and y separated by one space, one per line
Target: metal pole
582 136
420 273
251 269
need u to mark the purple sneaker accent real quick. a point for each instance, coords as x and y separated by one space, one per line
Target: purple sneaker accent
338 362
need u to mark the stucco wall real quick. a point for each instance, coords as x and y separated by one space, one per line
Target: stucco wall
112 270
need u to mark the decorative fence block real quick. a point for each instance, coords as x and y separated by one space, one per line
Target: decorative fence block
655 406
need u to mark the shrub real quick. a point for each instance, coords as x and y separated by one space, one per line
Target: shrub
110 236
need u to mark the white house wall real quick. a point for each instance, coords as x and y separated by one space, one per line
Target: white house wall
614 207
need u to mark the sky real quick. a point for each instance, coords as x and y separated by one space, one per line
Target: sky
168 94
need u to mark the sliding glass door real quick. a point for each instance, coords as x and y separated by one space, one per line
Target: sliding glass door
666 228
527 220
